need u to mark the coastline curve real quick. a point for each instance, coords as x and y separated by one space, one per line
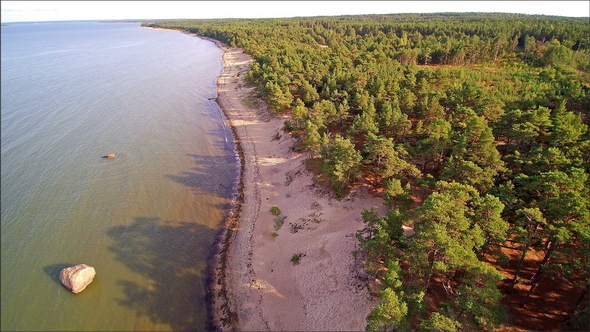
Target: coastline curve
253 283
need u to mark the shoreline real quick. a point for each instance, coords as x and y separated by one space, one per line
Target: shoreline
220 315
254 284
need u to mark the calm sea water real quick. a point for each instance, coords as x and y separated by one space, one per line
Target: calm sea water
145 220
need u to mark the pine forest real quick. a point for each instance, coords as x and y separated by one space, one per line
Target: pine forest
473 128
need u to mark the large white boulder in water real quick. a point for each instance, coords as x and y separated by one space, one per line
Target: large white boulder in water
77 277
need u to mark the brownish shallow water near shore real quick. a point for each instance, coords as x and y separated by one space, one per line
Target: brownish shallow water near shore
145 220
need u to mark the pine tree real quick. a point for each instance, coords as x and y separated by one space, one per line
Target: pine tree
341 162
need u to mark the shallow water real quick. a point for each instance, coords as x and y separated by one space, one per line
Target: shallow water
145 220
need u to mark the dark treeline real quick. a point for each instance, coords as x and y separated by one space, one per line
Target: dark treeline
473 127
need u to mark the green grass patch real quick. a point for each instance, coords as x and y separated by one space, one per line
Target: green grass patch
275 210
279 222
296 258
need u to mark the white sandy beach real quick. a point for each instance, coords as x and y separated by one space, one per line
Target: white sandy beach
263 288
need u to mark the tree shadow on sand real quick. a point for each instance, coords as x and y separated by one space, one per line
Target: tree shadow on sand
172 256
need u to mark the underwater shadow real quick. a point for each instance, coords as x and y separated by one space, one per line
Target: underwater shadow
173 257
213 174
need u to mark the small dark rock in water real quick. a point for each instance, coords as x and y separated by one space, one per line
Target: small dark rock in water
109 156
76 278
